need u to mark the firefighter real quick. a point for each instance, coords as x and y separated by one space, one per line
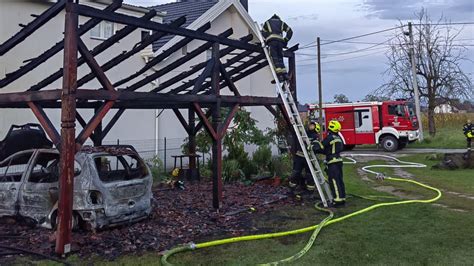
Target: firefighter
332 146
273 33
300 164
468 130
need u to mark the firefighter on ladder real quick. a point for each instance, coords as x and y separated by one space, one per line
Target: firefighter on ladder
332 147
300 164
273 33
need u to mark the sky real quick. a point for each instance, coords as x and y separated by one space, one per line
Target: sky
345 69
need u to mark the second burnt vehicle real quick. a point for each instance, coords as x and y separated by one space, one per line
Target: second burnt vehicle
112 185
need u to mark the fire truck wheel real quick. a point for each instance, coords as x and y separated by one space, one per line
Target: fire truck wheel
389 143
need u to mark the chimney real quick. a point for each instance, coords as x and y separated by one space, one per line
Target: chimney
245 3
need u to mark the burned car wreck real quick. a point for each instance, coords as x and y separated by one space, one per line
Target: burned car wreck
112 185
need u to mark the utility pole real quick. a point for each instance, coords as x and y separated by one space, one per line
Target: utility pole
320 86
415 81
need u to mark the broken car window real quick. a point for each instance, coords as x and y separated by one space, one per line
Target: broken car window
119 168
46 168
13 169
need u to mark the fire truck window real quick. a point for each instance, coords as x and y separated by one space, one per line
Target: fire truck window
357 119
396 110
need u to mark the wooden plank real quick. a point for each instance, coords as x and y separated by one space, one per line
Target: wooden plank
94 122
206 122
81 120
181 120
201 123
204 75
46 123
162 56
120 34
31 27
137 48
22 97
112 122
94 66
35 62
174 65
130 20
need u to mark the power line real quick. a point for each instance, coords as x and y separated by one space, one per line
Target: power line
343 59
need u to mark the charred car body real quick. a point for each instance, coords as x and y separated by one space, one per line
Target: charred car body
112 185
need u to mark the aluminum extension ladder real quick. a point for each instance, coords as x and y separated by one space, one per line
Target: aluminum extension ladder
300 130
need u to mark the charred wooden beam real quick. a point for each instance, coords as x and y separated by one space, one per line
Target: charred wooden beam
201 123
94 122
159 58
68 132
227 78
26 31
230 116
192 141
46 123
19 97
112 122
81 120
216 124
137 48
204 75
12 76
130 20
122 33
181 120
94 66
205 121
174 65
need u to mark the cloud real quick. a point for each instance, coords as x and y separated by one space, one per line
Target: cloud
455 10
304 17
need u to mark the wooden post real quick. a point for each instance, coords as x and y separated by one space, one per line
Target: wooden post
98 131
192 141
68 131
292 71
216 124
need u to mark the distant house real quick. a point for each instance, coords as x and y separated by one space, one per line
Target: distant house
445 109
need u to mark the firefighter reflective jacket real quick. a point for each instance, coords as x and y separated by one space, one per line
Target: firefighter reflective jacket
313 136
468 130
273 30
331 146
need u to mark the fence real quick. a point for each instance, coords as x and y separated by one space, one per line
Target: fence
163 148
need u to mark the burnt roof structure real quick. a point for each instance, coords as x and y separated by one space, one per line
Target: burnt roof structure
201 96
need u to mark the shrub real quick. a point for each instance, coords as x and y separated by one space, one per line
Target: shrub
262 157
231 171
281 166
157 168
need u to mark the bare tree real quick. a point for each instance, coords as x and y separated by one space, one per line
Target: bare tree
341 98
438 65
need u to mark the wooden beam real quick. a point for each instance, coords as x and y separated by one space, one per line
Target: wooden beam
112 122
94 122
216 123
137 48
229 81
272 110
204 75
22 97
181 120
162 56
228 120
120 34
35 62
130 20
201 123
81 120
206 122
46 123
31 27
94 66
174 65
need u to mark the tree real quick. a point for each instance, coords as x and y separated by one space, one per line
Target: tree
340 98
438 65
375 98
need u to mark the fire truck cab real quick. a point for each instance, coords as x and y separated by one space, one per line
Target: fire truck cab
390 124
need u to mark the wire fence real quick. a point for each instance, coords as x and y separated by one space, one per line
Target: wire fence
164 149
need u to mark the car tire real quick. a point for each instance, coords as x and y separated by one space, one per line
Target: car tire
75 220
402 145
389 143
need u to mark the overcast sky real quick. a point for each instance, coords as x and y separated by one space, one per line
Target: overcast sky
353 73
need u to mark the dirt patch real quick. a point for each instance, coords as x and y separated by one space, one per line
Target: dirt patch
179 216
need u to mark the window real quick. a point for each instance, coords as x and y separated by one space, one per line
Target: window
397 110
103 30
120 168
13 169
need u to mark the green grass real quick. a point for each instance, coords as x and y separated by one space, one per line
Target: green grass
413 234
447 137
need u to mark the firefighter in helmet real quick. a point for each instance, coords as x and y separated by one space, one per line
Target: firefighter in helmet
273 33
300 164
332 147
468 130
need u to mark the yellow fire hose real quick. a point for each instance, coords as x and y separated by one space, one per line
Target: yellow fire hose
327 221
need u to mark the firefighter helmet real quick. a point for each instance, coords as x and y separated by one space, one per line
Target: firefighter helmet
334 126
317 127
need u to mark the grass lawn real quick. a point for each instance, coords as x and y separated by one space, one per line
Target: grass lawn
446 137
413 234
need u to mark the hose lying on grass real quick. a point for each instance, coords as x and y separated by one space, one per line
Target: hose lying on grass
327 221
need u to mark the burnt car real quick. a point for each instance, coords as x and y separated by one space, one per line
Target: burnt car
112 185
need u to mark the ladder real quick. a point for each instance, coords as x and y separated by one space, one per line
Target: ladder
299 128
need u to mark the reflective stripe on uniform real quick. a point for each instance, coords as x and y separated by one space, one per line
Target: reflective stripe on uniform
300 153
333 143
279 70
268 26
291 184
275 36
336 190
334 160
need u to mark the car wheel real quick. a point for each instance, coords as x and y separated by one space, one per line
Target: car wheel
402 145
55 221
389 143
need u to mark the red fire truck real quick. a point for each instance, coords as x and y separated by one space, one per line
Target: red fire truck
390 124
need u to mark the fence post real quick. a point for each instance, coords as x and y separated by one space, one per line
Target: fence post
164 158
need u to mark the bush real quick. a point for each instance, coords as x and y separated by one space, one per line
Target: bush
262 157
281 166
157 168
231 171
